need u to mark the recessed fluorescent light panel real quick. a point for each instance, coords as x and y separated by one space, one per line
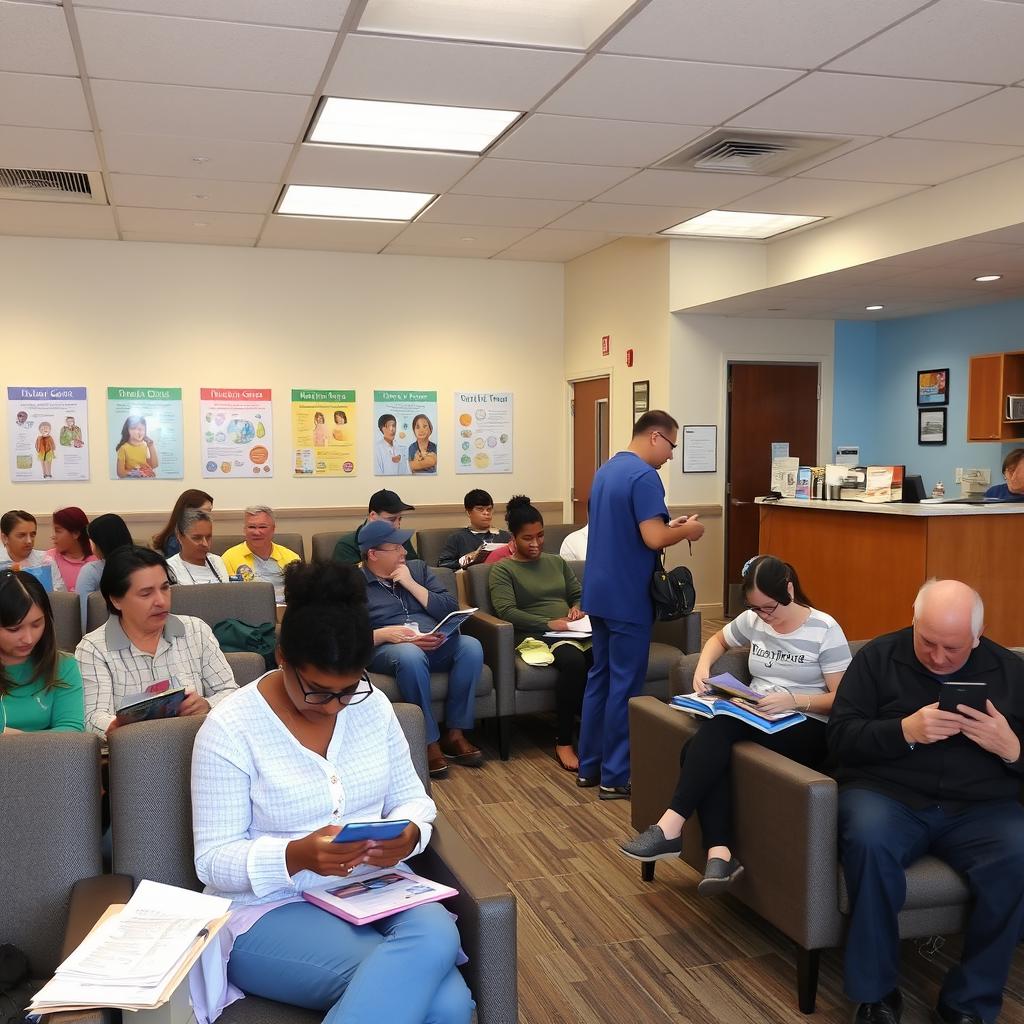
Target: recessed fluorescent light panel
573 24
874 308
734 224
351 203
987 278
420 126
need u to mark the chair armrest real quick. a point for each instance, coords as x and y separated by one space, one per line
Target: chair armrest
683 633
89 900
656 735
487 921
497 638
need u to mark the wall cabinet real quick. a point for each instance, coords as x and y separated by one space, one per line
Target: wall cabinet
991 378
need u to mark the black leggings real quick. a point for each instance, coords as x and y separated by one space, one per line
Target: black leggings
705 783
572 665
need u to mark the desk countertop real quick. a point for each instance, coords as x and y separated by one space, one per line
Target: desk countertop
895 508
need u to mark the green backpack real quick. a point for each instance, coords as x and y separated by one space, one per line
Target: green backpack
235 635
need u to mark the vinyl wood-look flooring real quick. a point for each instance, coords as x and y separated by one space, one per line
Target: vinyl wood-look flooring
597 944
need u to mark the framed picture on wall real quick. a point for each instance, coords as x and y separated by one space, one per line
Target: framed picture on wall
931 426
641 398
933 387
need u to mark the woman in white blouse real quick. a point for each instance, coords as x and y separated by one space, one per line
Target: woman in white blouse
195 563
276 772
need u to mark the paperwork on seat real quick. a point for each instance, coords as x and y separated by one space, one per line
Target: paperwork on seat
135 957
577 628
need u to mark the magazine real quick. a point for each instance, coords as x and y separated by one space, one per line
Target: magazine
162 699
378 894
448 625
739 702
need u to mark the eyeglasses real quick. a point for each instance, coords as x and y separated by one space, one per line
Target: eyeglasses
345 698
671 444
766 611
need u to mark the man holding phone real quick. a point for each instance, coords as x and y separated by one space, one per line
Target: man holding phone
917 779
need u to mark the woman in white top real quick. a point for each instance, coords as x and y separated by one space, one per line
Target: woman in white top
195 563
797 658
18 536
276 772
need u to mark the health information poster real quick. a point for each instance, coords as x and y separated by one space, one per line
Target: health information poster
483 431
323 432
404 436
145 438
236 432
48 431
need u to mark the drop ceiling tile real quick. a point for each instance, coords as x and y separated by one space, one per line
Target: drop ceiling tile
959 278
48 148
35 39
192 194
459 74
685 188
182 157
818 198
459 236
997 118
141 107
591 140
953 40
325 14
529 180
772 33
556 246
189 223
187 51
321 233
625 219
43 101
193 239
356 167
63 220
856 104
914 161
675 92
525 213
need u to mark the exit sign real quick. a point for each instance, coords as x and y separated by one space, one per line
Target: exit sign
606 344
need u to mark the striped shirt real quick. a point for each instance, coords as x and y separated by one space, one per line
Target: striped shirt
113 667
255 788
796 661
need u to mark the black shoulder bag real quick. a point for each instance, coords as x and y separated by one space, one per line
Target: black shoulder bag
672 591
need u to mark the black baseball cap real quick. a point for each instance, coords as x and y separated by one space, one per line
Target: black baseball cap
388 501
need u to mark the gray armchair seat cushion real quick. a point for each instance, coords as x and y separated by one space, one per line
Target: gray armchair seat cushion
438 685
930 883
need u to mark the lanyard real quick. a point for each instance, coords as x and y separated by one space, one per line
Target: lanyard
398 595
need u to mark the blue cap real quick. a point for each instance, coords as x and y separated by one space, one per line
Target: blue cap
380 531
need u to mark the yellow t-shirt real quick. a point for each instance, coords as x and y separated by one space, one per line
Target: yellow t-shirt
132 456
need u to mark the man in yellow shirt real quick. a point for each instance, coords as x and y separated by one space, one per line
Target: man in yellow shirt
258 557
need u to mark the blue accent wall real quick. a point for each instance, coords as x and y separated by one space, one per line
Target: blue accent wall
875 401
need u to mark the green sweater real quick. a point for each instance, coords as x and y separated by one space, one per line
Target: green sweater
347 550
531 594
32 708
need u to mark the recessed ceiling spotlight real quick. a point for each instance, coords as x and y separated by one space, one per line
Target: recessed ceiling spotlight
735 224
200 195
467 238
200 159
872 309
986 278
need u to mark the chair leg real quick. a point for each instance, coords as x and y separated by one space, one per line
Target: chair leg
807 977
647 871
504 737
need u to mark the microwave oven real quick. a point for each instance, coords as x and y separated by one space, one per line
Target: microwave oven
1015 408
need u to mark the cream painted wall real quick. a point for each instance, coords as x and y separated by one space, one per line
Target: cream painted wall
99 313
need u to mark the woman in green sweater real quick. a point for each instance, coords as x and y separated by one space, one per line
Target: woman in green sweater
538 593
40 688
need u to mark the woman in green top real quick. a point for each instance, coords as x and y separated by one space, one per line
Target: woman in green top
40 688
538 593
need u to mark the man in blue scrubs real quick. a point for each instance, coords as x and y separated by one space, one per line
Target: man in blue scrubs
629 525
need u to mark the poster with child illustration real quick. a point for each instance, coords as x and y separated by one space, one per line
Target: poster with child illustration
144 433
323 432
47 433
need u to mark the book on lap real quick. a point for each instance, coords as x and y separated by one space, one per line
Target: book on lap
736 707
379 894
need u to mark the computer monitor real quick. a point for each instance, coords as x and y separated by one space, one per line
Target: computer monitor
913 489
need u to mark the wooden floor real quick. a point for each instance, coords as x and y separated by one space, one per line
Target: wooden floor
596 944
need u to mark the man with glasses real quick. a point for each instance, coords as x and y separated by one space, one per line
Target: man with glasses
406 601
384 505
629 526
258 557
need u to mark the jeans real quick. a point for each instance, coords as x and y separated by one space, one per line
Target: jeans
460 656
400 969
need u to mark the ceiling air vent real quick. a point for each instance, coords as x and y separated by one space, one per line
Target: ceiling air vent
51 186
737 152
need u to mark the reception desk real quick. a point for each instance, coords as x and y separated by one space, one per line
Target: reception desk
864 563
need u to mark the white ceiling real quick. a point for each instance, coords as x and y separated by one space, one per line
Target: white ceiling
194 112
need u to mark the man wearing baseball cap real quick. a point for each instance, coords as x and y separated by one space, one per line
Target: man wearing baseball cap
406 601
385 505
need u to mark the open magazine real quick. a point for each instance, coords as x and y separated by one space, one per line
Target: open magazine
162 699
734 699
378 894
449 624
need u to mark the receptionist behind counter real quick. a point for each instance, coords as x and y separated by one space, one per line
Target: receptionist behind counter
1013 475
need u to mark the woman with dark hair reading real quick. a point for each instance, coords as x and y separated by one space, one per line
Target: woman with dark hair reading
797 658
277 771
18 530
40 688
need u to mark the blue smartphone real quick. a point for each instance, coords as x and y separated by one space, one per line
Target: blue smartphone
358 831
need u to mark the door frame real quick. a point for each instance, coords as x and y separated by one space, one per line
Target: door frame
568 441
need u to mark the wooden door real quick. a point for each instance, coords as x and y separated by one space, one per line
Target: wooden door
767 402
589 440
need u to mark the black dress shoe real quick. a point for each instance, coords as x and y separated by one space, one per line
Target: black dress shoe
888 1011
944 1014
586 781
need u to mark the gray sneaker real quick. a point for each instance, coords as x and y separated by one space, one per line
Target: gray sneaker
652 845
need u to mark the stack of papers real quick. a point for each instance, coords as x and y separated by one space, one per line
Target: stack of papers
577 627
136 957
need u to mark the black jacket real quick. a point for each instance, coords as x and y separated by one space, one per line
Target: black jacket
883 685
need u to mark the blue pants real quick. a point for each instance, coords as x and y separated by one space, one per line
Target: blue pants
620 652
400 970
878 838
460 656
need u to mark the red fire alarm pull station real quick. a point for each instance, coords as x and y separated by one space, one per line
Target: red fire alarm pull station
606 344
629 357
